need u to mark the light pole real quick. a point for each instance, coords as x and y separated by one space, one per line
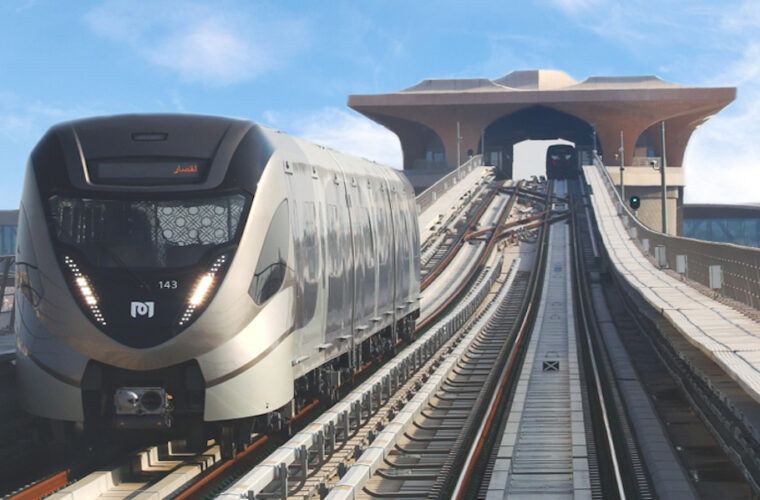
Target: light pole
459 139
593 127
483 146
622 168
663 166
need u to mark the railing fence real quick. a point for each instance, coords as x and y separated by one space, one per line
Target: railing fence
428 196
739 271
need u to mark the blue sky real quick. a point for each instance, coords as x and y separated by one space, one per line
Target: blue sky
292 65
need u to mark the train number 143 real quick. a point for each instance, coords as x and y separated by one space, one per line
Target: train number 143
167 284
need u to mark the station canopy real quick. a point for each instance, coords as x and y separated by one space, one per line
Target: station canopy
542 104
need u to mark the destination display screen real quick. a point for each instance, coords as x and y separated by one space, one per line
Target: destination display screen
147 173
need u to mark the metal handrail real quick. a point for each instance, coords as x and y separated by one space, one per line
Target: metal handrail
442 185
740 264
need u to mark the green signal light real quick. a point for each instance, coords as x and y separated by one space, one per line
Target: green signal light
635 202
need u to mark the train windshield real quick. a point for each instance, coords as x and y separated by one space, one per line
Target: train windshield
146 234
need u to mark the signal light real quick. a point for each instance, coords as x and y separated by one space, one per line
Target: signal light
635 202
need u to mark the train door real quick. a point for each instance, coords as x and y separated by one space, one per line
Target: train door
304 222
402 237
393 249
369 251
384 249
355 204
337 261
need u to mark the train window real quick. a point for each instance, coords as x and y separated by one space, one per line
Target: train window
273 260
146 233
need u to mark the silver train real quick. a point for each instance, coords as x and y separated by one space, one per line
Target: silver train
204 275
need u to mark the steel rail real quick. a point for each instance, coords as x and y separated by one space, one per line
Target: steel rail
465 284
446 395
461 240
587 323
475 271
209 478
505 378
42 488
351 420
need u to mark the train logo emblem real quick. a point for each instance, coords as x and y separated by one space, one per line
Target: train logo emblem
142 309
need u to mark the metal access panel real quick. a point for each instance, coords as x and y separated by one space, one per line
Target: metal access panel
660 257
681 264
716 277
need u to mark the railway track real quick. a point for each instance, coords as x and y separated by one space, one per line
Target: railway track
274 477
706 458
202 473
456 437
450 235
420 456
427 445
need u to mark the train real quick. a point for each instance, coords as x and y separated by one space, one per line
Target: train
561 162
203 276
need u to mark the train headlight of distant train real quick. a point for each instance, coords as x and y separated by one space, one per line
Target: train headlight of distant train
202 289
86 291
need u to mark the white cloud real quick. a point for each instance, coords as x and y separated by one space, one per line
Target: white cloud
345 131
215 44
722 162
723 157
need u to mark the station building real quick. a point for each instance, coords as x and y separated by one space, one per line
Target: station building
441 122
8 226
739 224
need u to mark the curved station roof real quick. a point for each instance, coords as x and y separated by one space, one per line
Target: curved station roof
635 105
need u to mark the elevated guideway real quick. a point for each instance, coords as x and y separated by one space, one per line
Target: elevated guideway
726 335
542 451
441 200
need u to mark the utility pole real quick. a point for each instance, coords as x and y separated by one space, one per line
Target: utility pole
622 168
459 138
483 147
663 166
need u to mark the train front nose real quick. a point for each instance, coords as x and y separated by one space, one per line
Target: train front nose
143 270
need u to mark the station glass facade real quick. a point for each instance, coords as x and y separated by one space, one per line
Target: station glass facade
7 239
738 224
739 231
8 225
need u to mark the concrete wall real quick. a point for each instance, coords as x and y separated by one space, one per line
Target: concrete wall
644 182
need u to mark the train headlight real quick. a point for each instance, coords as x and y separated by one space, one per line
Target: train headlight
203 289
86 292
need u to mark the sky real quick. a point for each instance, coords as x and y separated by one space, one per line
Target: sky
293 64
